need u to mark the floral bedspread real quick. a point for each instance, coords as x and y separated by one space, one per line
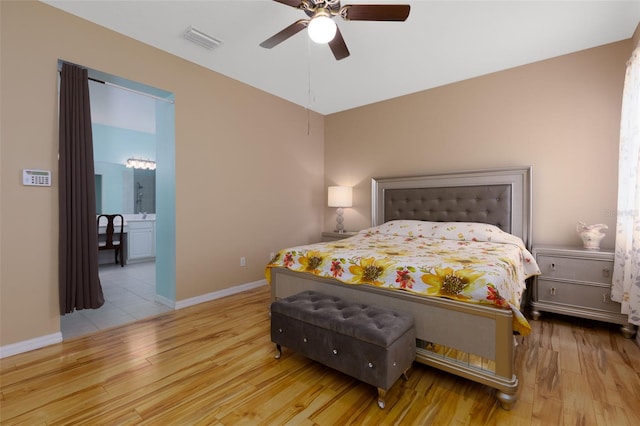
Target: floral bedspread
470 262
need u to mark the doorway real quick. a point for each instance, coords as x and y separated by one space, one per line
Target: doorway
135 121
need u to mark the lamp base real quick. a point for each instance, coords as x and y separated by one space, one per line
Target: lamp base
339 219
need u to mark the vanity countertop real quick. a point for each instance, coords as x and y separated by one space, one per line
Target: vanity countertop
138 218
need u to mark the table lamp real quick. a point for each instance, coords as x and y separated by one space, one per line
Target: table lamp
340 197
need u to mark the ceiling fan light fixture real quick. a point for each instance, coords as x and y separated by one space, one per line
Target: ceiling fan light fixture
322 29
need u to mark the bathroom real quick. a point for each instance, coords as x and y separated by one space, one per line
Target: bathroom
124 162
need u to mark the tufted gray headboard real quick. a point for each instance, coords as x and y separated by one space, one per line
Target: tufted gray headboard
499 197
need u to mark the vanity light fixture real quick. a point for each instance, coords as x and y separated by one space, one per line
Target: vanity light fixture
137 163
340 196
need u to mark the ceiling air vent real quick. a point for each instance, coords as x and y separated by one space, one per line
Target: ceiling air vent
202 39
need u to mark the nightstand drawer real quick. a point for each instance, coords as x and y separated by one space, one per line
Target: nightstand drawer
581 295
591 270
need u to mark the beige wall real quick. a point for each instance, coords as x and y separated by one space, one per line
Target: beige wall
561 116
249 179
269 178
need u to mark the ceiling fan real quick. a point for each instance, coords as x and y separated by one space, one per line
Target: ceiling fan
323 29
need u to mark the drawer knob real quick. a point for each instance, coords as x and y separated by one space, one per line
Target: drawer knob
606 298
606 272
552 291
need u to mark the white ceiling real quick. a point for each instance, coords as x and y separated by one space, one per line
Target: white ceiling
441 42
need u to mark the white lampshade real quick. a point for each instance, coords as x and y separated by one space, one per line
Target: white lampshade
322 29
340 196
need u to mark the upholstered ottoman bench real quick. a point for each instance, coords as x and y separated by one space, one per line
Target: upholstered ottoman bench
372 344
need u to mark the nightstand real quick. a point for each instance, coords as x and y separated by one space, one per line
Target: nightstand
335 236
576 282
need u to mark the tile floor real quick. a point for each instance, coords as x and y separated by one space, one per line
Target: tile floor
129 295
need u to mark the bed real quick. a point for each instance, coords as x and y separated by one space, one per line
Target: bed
472 340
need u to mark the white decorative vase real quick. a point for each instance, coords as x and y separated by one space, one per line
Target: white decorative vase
591 235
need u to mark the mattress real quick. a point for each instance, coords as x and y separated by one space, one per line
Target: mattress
464 261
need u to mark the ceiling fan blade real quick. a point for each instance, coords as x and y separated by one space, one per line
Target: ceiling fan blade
291 30
338 46
375 12
293 3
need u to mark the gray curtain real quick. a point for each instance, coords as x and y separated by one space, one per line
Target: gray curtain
78 244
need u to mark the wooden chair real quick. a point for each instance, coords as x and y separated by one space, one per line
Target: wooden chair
110 243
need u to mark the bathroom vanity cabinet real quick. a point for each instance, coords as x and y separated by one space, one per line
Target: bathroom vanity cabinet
141 239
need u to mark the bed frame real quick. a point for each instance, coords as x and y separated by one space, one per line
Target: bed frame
472 341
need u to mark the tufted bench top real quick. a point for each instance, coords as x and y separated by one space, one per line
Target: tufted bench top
376 325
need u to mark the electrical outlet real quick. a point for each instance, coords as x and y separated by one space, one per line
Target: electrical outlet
243 261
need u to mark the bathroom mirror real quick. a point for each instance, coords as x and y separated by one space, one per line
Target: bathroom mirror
124 190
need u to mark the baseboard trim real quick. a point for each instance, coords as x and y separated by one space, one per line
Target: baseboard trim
165 301
218 294
51 339
29 345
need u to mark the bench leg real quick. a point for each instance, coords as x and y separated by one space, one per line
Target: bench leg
404 374
381 394
278 351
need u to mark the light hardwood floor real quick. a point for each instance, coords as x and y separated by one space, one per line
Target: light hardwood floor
213 364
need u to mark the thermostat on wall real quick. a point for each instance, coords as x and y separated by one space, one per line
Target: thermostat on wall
36 177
